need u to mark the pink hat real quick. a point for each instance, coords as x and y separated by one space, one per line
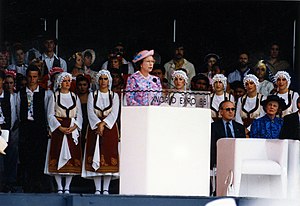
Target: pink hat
142 55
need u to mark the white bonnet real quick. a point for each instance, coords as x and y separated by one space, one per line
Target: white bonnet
106 73
285 75
60 79
181 74
219 77
253 78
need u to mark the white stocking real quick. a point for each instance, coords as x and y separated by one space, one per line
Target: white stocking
97 181
58 179
106 182
68 182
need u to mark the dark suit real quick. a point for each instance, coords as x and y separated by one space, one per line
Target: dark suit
291 127
218 132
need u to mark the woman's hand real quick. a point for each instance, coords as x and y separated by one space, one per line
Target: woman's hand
63 129
67 130
100 128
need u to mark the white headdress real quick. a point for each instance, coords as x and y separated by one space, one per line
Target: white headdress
182 74
60 79
106 73
253 78
219 77
285 75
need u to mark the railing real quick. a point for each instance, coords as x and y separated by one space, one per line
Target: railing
168 97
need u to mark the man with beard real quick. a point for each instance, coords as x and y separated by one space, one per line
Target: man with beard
242 70
179 62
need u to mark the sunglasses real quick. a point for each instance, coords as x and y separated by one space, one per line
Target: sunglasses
228 109
66 80
105 78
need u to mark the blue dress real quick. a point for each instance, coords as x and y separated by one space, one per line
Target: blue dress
267 128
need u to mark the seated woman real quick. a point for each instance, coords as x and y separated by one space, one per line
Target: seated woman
180 97
269 126
265 86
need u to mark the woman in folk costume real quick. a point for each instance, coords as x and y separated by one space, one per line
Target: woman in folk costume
65 119
283 81
101 157
249 106
219 83
181 97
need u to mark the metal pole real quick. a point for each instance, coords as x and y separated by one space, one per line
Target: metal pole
56 35
174 30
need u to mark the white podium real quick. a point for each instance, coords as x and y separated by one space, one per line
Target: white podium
165 151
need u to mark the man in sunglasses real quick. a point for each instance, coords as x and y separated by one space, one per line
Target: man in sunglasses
226 127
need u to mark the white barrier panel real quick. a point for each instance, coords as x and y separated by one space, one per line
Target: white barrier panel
165 151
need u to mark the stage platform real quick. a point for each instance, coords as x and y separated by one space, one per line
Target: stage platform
53 199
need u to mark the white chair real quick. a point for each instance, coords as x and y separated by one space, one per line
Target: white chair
294 169
259 167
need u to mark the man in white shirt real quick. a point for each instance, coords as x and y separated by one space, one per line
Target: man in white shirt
49 57
179 62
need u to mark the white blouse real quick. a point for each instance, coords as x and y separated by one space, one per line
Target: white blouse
66 101
102 102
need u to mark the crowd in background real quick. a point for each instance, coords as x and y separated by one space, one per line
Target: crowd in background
245 86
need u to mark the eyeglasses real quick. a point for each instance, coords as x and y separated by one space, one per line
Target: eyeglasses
228 109
101 78
67 80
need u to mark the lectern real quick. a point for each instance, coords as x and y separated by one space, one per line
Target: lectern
165 151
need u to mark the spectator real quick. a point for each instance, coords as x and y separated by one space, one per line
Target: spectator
224 127
265 86
119 49
269 126
179 62
210 60
200 82
274 62
49 57
159 71
19 55
242 69
238 90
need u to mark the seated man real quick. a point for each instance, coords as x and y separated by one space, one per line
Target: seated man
225 127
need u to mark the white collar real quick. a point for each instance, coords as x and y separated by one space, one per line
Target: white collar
36 90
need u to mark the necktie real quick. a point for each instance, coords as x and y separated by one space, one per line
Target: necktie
228 130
